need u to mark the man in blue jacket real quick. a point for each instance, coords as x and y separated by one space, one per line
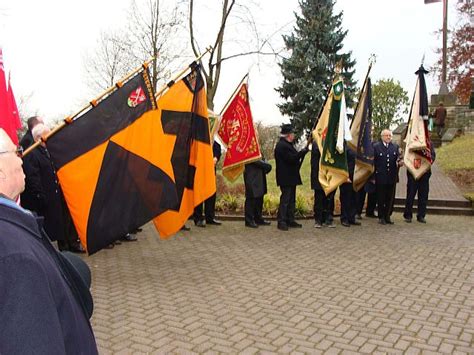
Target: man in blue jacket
288 163
386 163
45 303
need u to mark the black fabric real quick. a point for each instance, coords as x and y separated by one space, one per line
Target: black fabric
315 158
348 199
414 187
286 209
253 208
385 163
288 162
424 110
321 206
27 140
384 200
100 123
44 196
255 178
40 311
371 200
129 193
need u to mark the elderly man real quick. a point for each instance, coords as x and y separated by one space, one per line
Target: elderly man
27 140
386 163
44 196
288 162
45 303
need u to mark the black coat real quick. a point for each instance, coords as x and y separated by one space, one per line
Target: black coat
43 194
288 162
255 179
216 150
351 162
315 157
41 310
27 140
385 163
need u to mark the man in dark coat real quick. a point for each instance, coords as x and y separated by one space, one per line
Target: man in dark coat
347 195
322 203
386 163
440 118
288 162
255 188
27 140
422 187
210 204
44 196
45 301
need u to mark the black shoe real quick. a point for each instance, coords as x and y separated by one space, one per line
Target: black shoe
118 242
421 219
355 223
382 221
137 230
129 238
358 216
407 220
263 223
251 224
185 228
345 224
214 222
389 221
294 224
79 250
201 223
370 215
282 226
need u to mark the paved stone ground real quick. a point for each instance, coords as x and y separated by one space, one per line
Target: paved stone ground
441 186
229 289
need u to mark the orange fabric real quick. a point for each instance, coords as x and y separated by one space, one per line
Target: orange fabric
78 181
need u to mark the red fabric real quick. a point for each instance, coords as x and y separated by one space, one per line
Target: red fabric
9 117
237 132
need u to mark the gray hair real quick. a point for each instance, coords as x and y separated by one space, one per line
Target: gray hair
38 131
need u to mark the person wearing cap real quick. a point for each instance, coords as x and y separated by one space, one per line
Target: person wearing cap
45 302
288 162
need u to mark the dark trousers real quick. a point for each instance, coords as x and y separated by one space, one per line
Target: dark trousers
253 209
385 200
321 206
348 202
420 186
209 210
286 210
371 202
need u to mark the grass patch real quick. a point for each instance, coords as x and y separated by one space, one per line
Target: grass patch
457 161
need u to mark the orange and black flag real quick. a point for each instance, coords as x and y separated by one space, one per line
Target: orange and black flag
185 122
114 165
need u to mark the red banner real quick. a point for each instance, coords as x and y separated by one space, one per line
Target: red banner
238 134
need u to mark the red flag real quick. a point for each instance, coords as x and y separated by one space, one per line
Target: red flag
237 132
9 118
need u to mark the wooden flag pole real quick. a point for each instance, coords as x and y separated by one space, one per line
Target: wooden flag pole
180 74
371 62
233 94
92 103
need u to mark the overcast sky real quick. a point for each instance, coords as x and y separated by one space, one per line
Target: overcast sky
44 43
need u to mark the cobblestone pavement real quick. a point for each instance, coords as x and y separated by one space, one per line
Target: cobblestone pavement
406 288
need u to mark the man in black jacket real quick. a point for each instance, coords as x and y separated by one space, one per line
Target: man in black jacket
288 162
386 163
210 204
255 188
45 304
322 203
44 196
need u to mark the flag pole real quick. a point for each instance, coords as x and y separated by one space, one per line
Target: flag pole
181 73
371 62
94 102
233 94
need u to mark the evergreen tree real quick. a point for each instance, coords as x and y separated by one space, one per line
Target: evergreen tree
315 46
